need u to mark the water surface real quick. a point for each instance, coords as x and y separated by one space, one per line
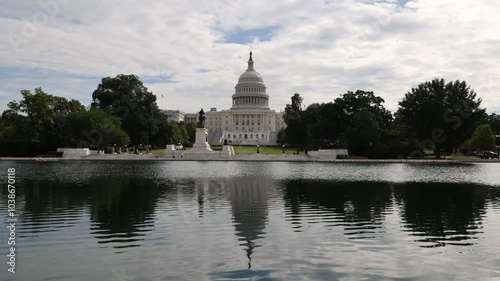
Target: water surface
254 221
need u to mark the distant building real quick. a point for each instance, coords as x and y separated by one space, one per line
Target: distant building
180 116
249 121
175 115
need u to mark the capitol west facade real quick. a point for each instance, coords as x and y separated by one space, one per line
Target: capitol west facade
249 121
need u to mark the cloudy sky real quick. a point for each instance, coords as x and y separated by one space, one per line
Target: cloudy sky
192 52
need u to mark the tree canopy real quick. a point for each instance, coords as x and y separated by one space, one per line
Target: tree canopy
355 119
37 123
41 122
126 97
96 128
440 115
482 139
297 127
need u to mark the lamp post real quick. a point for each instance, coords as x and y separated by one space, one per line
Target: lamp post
283 147
258 152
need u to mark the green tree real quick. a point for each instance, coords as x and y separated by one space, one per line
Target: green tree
296 126
482 139
96 128
494 121
329 121
364 133
440 115
353 102
37 122
183 133
282 137
163 136
191 131
126 97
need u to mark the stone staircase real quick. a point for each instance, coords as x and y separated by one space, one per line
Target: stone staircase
214 137
273 136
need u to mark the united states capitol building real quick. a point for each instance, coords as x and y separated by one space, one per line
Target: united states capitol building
249 121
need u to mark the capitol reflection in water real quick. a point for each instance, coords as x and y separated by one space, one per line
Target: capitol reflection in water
153 225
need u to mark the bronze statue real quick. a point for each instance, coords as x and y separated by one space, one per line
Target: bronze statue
201 119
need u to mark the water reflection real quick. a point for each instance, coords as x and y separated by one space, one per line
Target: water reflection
442 214
249 208
256 223
122 210
48 207
357 207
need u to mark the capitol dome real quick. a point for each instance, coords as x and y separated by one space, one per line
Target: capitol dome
250 92
250 76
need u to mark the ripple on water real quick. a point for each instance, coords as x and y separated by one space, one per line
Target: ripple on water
262 221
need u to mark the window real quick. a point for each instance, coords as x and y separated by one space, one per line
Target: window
248 122
236 123
262 135
251 136
236 128
228 136
234 136
246 136
257 136
240 136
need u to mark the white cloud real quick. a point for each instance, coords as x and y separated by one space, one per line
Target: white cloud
319 49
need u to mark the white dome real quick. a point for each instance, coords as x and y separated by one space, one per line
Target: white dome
250 76
250 92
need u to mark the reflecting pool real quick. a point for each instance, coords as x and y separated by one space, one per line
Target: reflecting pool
253 221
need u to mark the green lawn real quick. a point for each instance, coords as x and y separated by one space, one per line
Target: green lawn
263 150
244 150
158 151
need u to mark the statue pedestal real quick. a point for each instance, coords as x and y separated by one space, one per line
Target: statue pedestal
170 147
201 145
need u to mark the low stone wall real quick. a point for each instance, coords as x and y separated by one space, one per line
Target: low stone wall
328 154
74 152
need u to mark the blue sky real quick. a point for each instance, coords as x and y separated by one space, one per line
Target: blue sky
193 52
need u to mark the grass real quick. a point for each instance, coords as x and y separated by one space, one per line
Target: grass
263 150
244 150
